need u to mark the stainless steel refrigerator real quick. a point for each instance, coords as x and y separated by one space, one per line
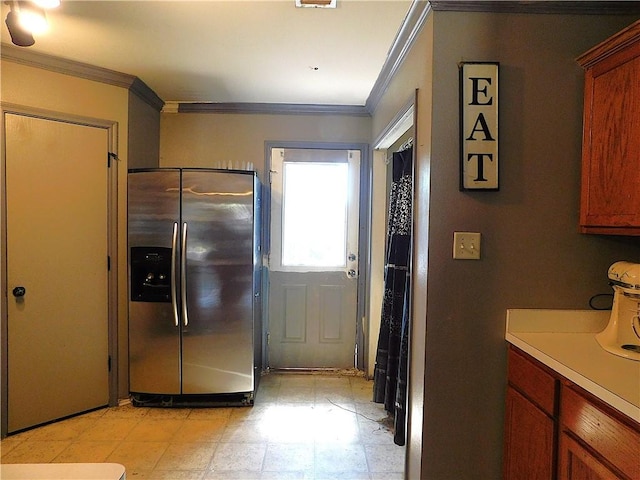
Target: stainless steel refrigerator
194 285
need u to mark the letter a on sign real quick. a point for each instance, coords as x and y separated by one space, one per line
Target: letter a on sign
479 126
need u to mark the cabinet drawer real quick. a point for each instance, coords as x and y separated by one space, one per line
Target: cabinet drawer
533 381
600 429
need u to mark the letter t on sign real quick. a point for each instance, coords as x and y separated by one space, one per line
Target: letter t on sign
479 126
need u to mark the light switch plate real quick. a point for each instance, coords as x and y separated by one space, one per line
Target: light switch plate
466 245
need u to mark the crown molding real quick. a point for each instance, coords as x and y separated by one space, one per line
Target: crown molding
415 19
568 7
147 95
31 58
420 9
610 46
272 109
413 22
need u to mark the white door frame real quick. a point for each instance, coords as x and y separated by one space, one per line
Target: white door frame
362 332
399 125
112 244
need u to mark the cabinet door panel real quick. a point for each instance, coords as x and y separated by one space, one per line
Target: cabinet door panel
529 440
610 199
576 463
613 165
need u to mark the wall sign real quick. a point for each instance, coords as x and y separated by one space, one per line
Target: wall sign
479 126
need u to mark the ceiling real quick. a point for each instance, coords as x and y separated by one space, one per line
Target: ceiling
240 51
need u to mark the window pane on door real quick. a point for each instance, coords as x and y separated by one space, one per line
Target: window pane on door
314 214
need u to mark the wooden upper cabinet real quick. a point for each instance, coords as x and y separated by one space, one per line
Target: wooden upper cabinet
610 195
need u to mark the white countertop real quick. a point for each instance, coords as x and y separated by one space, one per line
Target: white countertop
564 340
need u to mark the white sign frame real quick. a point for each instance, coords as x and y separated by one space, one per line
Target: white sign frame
479 165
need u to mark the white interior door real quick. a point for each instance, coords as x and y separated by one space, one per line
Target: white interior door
56 201
313 260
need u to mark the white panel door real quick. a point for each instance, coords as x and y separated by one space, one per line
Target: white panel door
313 260
56 200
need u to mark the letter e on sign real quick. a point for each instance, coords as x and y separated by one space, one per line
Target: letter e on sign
479 126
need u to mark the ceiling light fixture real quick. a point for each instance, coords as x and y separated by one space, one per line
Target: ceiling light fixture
19 36
47 3
26 18
32 18
316 3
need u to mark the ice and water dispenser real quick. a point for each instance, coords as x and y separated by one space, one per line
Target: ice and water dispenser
150 274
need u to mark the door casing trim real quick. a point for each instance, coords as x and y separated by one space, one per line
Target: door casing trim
361 347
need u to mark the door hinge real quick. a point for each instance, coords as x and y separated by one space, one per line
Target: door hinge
268 337
111 155
109 263
355 356
109 362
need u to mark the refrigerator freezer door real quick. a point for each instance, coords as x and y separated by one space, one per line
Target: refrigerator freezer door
154 336
217 348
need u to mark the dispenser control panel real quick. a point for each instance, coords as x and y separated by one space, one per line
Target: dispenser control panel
150 274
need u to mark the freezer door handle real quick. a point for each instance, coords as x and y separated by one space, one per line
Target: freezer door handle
183 275
174 299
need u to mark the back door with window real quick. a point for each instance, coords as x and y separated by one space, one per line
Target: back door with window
313 261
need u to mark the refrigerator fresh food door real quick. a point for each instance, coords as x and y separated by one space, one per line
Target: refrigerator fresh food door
217 230
154 242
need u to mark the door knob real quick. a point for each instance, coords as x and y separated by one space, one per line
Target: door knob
19 292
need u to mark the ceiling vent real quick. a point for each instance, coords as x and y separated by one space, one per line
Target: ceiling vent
316 3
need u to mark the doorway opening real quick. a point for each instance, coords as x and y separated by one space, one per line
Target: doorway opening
314 241
391 266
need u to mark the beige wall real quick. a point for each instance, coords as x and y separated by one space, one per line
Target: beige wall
209 139
64 95
533 255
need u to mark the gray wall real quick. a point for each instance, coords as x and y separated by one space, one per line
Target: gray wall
144 133
532 253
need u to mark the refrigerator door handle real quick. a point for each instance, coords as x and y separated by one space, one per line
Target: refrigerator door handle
174 299
183 275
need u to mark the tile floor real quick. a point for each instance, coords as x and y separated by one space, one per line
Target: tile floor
302 426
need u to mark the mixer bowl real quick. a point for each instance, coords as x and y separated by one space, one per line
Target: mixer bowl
622 334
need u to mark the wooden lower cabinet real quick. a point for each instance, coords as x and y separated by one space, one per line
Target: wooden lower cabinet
529 440
597 442
530 420
556 430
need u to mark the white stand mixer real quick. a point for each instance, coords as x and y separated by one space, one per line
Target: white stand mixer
622 334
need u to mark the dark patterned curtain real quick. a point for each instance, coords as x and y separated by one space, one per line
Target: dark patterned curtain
390 374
